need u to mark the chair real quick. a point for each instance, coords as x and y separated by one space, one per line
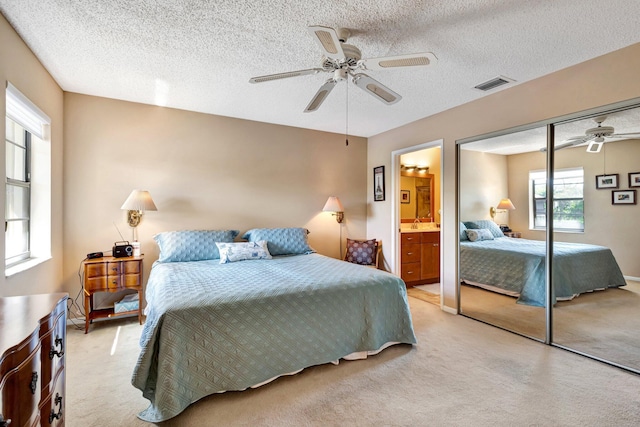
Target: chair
364 252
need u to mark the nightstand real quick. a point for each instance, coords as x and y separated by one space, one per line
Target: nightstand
514 234
109 274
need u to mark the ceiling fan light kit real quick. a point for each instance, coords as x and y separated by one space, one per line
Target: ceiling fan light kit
343 60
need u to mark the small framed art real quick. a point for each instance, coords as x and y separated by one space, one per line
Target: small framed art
634 179
607 181
405 196
623 197
378 184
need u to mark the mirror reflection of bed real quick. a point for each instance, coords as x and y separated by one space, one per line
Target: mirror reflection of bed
596 277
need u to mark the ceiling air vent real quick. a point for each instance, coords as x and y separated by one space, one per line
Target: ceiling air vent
493 83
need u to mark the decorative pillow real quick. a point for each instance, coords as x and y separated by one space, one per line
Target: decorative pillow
479 234
282 241
191 245
463 235
485 223
240 251
361 251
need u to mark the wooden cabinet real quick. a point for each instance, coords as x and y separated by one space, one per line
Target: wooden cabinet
420 257
110 274
32 360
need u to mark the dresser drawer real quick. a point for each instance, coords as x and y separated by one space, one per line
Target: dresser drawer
95 270
430 237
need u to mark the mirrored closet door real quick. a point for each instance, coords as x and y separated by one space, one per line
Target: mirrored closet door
597 178
502 258
586 206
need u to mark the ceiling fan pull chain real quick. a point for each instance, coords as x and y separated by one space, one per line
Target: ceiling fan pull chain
346 131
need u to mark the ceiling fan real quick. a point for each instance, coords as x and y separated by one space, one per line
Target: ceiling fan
342 60
596 137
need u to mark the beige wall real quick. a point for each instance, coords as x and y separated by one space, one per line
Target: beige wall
483 178
203 172
604 80
19 66
605 224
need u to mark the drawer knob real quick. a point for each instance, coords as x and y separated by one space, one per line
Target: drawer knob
409 272
34 382
3 422
56 415
409 253
52 352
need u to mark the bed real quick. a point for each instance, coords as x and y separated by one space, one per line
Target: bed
213 327
516 266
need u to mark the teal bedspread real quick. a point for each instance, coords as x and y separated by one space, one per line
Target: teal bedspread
217 327
518 266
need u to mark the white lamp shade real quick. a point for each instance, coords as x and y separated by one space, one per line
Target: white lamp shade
139 200
333 205
505 204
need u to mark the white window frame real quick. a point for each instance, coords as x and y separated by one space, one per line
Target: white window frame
24 112
558 175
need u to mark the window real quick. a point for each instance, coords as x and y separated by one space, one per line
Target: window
568 200
18 192
27 183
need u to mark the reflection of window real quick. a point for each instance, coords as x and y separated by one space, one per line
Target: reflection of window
568 200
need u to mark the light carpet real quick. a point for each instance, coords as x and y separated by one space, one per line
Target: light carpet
604 324
461 373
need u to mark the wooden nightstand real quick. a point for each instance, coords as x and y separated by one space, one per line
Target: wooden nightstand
514 234
109 274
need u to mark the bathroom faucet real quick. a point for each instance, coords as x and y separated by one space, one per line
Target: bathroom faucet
414 226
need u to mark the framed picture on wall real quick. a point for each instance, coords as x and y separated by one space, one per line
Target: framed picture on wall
607 181
405 196
623 197
634 179
378 183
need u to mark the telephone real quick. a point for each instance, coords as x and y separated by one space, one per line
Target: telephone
505 229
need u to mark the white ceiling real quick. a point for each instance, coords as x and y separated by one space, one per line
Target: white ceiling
198 55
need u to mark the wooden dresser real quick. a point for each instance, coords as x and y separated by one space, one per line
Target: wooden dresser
420 257
32 361
109 274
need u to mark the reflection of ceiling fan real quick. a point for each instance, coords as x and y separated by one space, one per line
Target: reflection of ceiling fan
596 137
342 60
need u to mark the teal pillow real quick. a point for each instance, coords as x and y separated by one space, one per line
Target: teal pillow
191 245
282 241
485 223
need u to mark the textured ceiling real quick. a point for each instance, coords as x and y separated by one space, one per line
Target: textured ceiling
199 55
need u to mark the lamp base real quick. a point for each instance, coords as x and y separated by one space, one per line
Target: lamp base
133 218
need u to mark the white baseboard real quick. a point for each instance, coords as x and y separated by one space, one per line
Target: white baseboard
635 279
449 310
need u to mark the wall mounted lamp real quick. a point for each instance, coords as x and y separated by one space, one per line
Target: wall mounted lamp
503 206
136 204
333 205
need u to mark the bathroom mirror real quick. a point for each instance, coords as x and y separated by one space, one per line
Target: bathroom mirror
417 196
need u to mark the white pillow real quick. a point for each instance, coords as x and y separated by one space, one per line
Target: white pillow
240 251
477 234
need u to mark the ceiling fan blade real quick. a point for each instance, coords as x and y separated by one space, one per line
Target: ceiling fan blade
375 88
278 76
320 96
410 60
328 40
632 135
576 140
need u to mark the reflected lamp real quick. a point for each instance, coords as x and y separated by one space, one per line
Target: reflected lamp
503 206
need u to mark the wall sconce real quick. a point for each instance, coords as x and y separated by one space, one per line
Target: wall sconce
136 204
333 205
503 206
